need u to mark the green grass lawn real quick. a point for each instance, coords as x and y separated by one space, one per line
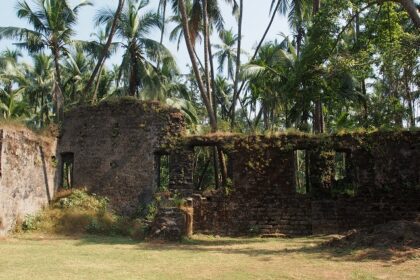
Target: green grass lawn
53 257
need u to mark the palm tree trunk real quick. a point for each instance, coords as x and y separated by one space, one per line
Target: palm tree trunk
273 16
299 38
59 104
232 109
316 6
215 167
206 51
412 119
104 53
41 121
190 48
365 104
163 27
56 54
318 114
238 64
133 80
211 93
212 78
95 94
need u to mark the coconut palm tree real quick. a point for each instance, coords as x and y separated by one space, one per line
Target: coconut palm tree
226 52
32 89
141 53
111 28
77 66
98 49
53 22
12 104
177 33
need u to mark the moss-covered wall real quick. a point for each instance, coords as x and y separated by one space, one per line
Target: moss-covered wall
381 167
116 145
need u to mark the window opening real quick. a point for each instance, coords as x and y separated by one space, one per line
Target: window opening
340 166
302 171
207 173
67 170
163 172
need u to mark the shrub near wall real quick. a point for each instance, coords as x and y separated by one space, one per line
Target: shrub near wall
78 212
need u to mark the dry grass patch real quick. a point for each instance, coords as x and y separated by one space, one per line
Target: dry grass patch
203 257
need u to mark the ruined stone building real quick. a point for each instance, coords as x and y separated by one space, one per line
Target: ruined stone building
115 148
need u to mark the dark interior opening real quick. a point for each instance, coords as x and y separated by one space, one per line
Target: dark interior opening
205 175
302 179
162 161
343 184
67 167
207 172
340 166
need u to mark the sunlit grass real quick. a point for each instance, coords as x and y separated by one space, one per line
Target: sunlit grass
92 257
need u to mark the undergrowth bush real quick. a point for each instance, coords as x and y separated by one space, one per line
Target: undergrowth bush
163 199
78 212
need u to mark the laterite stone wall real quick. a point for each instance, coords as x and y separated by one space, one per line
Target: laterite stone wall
116 145
27 174
382 171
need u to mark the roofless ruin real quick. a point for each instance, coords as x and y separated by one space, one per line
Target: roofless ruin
292 184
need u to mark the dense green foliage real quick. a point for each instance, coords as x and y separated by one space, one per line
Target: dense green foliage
359 59
346 65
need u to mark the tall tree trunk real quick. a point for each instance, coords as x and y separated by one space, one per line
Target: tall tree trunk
104 53
57 92
218 157
238 64
412 119
316 6
163 27
212 79
56 54
215 167
98 80
41 123
411 9
318 121
318 124
206 51
133 80
363 82
273 16
194 64
365 104
299 38
304 118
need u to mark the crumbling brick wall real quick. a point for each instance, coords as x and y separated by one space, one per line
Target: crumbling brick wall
383 171
28 174
115 147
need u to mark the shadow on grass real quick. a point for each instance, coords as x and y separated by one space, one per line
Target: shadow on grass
313 247
361 254
192 243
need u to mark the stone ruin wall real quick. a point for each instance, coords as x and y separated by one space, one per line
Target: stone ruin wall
28 174
383 167
115 146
